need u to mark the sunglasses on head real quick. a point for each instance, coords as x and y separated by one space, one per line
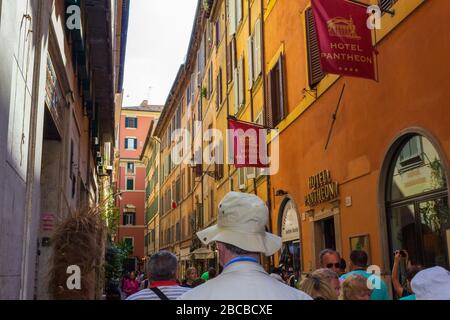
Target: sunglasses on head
331 265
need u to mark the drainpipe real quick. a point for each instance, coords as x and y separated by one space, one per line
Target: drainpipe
264 84
28 264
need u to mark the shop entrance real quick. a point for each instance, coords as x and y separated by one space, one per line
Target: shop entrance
325 234
290 234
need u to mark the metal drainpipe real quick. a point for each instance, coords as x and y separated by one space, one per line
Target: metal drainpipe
24 292
264 84
226 75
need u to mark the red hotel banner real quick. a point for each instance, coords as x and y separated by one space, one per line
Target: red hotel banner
248 143
345 41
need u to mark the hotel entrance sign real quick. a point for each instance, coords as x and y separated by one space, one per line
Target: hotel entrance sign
323 189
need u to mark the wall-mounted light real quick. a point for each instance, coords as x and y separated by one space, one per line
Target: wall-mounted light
281 193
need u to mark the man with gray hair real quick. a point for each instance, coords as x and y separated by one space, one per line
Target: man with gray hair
241 238
330 259
162 274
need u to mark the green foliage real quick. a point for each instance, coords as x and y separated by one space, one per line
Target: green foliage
111 214
115 257
204 92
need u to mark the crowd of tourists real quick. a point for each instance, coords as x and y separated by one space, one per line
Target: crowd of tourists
241 239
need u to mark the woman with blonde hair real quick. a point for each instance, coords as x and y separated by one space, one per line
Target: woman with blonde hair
317 288
330 277
355 287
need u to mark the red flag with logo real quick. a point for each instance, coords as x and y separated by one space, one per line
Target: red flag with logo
345 41
248 144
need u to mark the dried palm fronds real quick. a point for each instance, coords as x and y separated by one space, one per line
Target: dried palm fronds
79 241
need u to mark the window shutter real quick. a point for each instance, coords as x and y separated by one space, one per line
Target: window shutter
268 108
218 89
241 83
281 104
386 4
250 62
136 123
236 90
232 16
229 64
126 143
314 68
238 12
257 48
135 143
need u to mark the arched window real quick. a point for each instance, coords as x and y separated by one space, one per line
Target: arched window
417 203
290 234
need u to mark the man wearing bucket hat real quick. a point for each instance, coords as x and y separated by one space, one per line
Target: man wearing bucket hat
241 237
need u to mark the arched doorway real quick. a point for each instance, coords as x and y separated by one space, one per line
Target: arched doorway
290 234
418 218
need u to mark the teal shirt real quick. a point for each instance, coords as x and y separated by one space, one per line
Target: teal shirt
377 294
410 297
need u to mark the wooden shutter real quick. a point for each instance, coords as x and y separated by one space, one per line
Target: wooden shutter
281 98
126 146
250 62
241 83
386 4
268 106
236 90
315 73
229 68
257 49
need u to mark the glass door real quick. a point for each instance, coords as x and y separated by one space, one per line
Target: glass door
421 228
434 222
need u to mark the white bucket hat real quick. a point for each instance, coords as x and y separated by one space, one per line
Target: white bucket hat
432 284
241 222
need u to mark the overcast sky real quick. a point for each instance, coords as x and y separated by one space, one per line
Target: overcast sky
158 36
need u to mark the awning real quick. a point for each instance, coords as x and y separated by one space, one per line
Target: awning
203 254
185 254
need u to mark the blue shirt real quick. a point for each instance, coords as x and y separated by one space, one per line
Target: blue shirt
377 294
410 297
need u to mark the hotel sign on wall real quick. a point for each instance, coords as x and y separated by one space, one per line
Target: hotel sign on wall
323 189
345 41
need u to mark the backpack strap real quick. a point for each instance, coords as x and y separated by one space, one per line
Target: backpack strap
159 293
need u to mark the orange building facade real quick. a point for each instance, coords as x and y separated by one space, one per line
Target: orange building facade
135 124
376 177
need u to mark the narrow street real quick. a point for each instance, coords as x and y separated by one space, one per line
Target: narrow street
178 149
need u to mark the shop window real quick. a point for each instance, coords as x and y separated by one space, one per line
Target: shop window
417 203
